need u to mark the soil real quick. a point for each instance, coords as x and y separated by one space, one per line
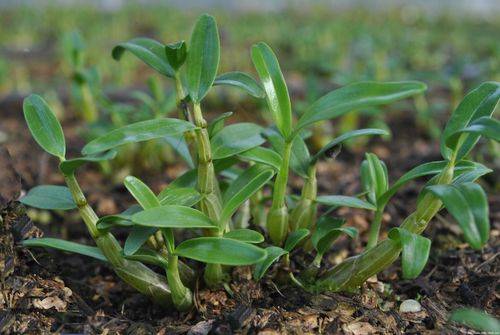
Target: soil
44 291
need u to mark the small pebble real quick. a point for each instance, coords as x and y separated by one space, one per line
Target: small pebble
410 306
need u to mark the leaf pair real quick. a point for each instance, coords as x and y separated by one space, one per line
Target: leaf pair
374 178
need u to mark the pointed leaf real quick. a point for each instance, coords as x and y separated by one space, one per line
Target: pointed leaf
123 219
220 250
44 126
295 237
415 253
218 123
178 143
262 155
468 204
68 246
345 137
241 189
273 255
342 200
183 196
148 256
236 138
176 54
245 235
203 57
327 231
137 132
141 192
300 157
278 100
69 166
173 216
484 126
241 80
149 51
374 177
49 197
479 102
136 239
357 96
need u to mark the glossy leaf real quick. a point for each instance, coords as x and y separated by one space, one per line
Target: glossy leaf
273 255
141 192
136 239
300 157
218 123
203 57
173 216
236 138
241 80
245 235
278 100
327 231
415 252
241 189
357 96
137 132
484 126
183 196
468 204
149 51
44 126
476 319
220 250
49 197
345 137
478 103
148 256
344 201
63 245
262 155
176 54
69 166
374 177
295 237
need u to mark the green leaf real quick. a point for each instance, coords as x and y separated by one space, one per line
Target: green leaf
300 157
273 255
374 177
241 80
262 155
342 200
345 137
471 175
148 256
44 126
141 192
173 216
218 123
137 132
295 237
415 253
236 138
245 235
136 239
484 126
63 245
476 319
278 100
357 96
203 57
477 103
327 231
149 51
249 182
184 196
468 204
220 250
69 166
49 197
178 143
176 54
123 219
425 169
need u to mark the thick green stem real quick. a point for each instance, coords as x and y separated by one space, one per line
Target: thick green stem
354 271
304 214
277 218
375 229
134 273
181 295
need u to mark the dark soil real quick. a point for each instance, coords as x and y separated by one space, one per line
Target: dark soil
45 291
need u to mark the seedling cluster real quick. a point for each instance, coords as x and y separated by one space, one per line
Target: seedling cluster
235 166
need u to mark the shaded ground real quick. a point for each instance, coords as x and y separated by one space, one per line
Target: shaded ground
45 291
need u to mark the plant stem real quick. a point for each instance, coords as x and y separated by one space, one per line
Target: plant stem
375 229
304 214
185 114
134 273
277 218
